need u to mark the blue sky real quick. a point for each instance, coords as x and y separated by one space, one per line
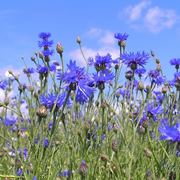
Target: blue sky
151 25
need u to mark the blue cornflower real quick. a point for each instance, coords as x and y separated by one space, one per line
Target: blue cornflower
133 60
19 172
25 152
159 97
140 71
124 93
47 52
168 132
156 77
42 69
101 62
103 77
3 84
44 35
77 80
175 62
153 111
10 121
121 37
45 43
28 71
50 100
46 143
65 173
34 178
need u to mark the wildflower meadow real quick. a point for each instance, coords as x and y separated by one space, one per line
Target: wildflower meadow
111 119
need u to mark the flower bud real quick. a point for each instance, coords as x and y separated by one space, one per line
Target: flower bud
33 59
140 85
78 40
59 48
114 145
42 111
41 56
83 169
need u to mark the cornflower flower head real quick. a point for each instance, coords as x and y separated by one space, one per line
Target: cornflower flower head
101 62
140 71
176 81
102 77
134 60
3 84
51 99
45 43
78 81
42 70
170 133
175 62
46 143
156 77
65 173
10 121
121 36
153 111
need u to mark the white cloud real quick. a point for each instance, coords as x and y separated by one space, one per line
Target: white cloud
94 32
88 52
152 18
157 19
107 38
133 13
104 38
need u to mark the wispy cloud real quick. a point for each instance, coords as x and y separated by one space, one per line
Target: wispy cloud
157 19
144 15
134 12
104 38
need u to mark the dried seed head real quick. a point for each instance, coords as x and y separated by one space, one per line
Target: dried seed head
42 111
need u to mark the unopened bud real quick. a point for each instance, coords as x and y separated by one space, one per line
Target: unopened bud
33 59
78 40
164 90
41 56
59 48
114 145
140 86
42 111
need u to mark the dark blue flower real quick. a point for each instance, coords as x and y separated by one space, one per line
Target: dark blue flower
65 173
25 152
171 133
77 80
45 43
153 111
121 37
42 69
133 60
50 100
175 62
140 71
44 35
19 172
46 143
28 71
101 62
3 84
34 178
10 121
48 52
156 77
